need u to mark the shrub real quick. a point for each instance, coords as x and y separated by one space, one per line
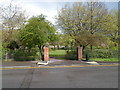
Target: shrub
22 58
95 53
100 53
3 52
23 55
71 55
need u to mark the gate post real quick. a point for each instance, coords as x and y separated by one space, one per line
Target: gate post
80 53
46 53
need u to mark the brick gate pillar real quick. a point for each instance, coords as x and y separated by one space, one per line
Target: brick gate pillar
79 53
46 53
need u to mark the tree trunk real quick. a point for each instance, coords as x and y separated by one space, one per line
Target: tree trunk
58 46
54 47
6 56
91 47
41 52
83 47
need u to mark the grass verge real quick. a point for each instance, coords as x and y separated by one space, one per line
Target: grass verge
104 59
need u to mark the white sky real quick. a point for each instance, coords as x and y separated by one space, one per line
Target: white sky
47 7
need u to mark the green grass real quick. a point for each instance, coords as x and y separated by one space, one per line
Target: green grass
57 52
104 59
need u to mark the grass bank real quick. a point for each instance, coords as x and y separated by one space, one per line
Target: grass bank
104 59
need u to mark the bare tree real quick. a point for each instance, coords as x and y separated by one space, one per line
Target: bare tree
12 17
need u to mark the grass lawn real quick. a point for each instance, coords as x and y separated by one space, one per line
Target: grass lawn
57 52
104 59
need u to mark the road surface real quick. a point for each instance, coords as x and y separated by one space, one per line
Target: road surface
61 77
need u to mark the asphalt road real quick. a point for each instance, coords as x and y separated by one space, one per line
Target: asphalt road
66 77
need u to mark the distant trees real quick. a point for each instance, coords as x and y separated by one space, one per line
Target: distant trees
66 41
87 23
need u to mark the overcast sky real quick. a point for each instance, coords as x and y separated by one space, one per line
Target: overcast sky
50 7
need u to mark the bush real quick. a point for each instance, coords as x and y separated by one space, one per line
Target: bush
100 53
3 52
95 53
27 58
71 55
23 55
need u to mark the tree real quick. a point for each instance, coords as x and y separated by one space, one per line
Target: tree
112 28
84 22
55 40
66 40
38 31
12 17
10 42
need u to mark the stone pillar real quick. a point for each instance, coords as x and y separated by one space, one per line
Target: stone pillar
79 53
46 53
